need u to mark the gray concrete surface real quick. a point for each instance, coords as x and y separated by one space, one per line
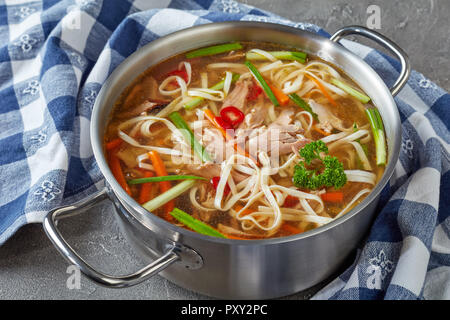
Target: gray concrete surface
30 268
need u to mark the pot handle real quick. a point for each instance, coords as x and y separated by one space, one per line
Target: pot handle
386 43
50 227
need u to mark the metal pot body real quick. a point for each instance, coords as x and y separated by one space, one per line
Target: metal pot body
227 268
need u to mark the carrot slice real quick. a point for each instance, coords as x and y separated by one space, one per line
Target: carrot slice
322 132
146 188
238 208
113 144
160 170
323 89
290 228
333 197
281 97
114 164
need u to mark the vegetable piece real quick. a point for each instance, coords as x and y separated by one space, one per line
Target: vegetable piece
351 91
215 183
209 51
323 89
164 186
262 83
335 197
169 195
290 228
312 150
180 73
232 115
333 174
164 178
290 201
194 224
213 119
113 144
304 105
224 124
238 208
378 134
322 132
179 122
281 97
114 164
282 55
146 188
194 102
254 92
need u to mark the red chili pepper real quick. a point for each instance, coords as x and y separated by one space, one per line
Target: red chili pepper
215 182
224 124
290 201
254 91
232 115
181 73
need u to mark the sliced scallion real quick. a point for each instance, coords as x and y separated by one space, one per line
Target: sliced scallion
378 135
209 51
179 122
194 102
262 83
170 194
164 178
304 105
194 224
351 91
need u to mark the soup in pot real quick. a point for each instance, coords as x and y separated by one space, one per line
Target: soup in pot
246 141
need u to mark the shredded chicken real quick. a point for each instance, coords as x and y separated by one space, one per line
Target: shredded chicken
280 136
238 96
137 110
327 119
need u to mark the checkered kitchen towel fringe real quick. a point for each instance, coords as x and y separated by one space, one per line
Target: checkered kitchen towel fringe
54 57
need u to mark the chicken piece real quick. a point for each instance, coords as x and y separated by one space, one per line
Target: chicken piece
137 110
255 115
238 96
206 170
327 119
280 136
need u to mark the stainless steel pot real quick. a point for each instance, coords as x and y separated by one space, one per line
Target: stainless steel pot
226 268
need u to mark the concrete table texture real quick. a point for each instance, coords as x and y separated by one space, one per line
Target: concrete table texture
31 268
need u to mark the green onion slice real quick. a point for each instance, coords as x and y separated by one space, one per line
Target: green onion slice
164 178
195 224
378 134
170 194
351 91
304 105
209 51
282 55
179 122
262 82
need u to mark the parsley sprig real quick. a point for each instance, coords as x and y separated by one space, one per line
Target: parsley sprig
333 174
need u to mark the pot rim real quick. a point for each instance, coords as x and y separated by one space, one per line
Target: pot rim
124 198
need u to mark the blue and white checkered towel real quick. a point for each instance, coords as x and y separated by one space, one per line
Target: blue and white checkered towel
54 57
